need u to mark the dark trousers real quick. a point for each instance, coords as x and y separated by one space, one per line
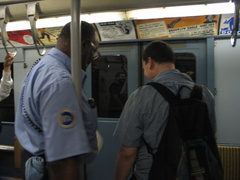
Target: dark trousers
133 177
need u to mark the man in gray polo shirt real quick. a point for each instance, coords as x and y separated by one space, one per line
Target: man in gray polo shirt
145 112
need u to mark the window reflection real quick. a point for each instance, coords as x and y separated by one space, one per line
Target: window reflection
118 94
109 85
186 63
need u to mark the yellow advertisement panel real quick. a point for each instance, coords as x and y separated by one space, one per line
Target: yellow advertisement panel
137 29
49 36
177 27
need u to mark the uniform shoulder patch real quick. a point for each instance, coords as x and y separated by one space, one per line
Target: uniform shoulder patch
66 118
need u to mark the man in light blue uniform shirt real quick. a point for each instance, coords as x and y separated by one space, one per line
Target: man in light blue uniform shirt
48 120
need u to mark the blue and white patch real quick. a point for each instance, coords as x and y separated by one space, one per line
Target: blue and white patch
66 118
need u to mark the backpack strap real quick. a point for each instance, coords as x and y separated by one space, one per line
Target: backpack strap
167 94
170 97
197 92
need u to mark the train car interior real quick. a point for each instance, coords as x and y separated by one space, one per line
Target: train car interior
206 44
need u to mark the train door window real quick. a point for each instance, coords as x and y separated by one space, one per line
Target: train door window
186 63
7 112
109 84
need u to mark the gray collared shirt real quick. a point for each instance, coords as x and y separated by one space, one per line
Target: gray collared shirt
145 114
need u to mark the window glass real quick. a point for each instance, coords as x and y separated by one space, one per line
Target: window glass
109 85
186 63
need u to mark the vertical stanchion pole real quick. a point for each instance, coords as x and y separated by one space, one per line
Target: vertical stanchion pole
76 48
76 58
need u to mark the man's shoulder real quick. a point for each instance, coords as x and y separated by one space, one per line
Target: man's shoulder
48 75
143 93
142 89
52 65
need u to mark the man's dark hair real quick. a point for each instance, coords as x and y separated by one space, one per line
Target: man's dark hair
87 31
160 51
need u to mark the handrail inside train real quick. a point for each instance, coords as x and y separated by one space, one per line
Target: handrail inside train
35 10
4 18
125 14
211 59
236 23
62 7
152 10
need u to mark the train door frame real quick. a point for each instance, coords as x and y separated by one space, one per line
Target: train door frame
107 125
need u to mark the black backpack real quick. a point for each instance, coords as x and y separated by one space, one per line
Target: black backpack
188 149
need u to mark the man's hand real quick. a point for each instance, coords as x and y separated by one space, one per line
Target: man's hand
8 62
125 162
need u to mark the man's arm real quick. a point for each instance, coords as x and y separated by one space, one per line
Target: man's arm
6 81
125 162
65 169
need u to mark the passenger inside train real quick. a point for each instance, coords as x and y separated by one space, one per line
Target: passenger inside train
203 36
41 130
118 95
6 83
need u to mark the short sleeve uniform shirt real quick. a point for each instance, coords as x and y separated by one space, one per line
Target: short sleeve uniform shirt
48 96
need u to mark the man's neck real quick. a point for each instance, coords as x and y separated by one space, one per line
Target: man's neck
163 67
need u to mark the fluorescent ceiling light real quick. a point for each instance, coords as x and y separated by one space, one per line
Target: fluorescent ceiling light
105 17
220 8
53 22
153 13
18 25
182 11
40 23
61 21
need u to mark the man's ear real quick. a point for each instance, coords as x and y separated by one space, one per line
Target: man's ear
151 63
87 48
87 54
85 45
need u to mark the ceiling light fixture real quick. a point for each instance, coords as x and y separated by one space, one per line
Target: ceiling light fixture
153 13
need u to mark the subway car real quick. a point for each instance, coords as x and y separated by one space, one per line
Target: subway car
205 41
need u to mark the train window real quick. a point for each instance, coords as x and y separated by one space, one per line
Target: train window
109 84
7 112
186 63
